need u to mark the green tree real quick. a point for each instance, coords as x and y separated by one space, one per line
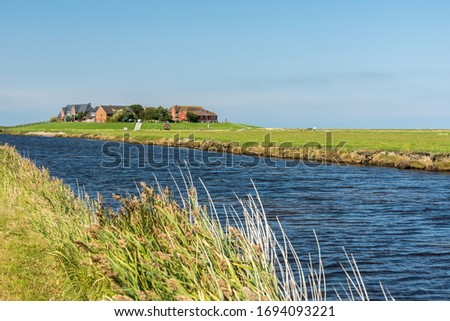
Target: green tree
155 113
149 113
128 114
191 117
137 110
163 114
118 116
79 116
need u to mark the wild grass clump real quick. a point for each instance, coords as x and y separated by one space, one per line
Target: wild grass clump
154 248
158 250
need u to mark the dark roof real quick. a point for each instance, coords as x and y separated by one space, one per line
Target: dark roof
187 108
204 113
111 109
79 108
65 110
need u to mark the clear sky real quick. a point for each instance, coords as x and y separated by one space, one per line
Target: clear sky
303 63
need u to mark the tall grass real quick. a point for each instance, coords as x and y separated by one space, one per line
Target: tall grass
62 219
154 248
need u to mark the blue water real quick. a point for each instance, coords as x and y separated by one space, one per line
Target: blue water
395 222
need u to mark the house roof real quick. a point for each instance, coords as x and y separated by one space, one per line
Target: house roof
187 108
64 110
79 108
204 113
111 109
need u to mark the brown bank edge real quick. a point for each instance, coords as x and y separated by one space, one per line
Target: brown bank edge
439 162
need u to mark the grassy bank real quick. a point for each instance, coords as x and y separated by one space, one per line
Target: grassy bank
78 128
428 141
40 219
150 249
27 270
406 149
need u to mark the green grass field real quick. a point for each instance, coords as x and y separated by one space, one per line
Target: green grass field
75 127
27 271
432 141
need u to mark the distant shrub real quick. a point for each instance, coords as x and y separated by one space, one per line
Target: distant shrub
191 117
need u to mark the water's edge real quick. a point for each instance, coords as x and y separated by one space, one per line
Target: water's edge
439 162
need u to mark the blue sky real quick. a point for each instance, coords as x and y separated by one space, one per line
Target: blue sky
349 64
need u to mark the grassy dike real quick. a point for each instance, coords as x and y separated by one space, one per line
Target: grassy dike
405 149
27 271
40 220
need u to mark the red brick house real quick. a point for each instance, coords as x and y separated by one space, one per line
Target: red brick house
179 113
103 112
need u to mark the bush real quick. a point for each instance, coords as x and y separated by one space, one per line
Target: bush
191 117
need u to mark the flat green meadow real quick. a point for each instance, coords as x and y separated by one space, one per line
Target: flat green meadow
401 140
